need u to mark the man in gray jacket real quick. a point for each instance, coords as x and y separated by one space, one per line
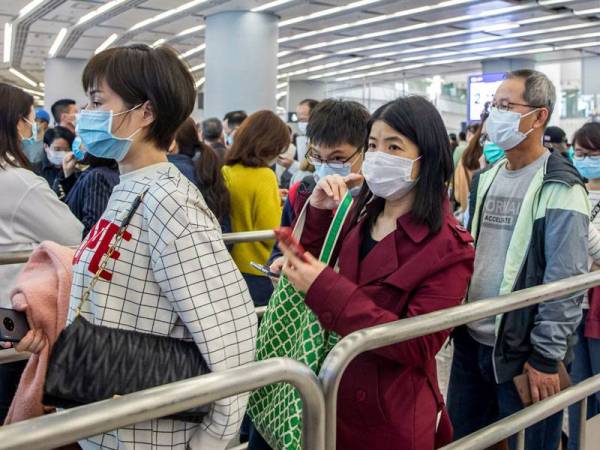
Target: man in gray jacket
529 217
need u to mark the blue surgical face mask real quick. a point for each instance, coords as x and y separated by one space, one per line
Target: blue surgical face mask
94 127
502 127
588 166
77 149
492 152
571 153
33 149
323 170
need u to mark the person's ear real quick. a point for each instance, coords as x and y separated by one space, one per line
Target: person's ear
148 114
541 118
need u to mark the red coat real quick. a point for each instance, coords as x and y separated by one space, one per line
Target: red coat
389 398
592 322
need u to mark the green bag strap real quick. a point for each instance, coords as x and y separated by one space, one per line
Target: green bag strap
336 227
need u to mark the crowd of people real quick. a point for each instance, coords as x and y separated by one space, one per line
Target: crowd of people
146 193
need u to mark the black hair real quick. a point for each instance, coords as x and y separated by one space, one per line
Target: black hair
16 104
588 136
235 118
94 161
212 129
418 120
462 136
139 73
52 134
60 107
310 102
336 122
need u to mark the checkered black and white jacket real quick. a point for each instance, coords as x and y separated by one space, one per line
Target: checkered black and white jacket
171 276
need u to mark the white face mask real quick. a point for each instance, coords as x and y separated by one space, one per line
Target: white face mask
502 128
302 126
56 158
388 176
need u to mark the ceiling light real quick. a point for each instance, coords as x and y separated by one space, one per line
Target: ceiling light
281 94
319 67
270 5
193 51
42 85
25 78
191 30
158 42
352 69
112 38
60 37
7 41
30 7
284 53
327 12
552 2
198 67
282 85
200 82
587 12
166 14
32 92
98 11
304 61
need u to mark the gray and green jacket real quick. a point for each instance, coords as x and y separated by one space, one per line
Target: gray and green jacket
549 242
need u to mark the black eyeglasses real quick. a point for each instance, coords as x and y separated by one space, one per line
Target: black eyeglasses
315 160
507 106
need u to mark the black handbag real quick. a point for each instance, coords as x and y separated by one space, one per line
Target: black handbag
90 363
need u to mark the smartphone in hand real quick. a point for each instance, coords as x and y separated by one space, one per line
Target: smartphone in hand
285 235
13 325
264 269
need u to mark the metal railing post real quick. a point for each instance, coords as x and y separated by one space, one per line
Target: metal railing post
68 426
523 419
521 440
402 330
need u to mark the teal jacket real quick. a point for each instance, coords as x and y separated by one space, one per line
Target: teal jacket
549 243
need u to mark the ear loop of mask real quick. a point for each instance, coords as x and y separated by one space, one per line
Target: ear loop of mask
120 114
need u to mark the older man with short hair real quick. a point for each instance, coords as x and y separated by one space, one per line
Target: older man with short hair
529 217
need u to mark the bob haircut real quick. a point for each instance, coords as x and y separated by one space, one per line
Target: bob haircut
16 105
139 73
262 137
417 119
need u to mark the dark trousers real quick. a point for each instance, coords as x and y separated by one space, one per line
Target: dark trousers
585 365
260 288
475 400
256 441
10 374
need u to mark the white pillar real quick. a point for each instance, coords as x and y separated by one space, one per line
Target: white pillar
62 78
241 62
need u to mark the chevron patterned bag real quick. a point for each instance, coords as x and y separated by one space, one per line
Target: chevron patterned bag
290 329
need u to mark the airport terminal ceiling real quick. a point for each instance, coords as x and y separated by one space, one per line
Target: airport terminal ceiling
328 40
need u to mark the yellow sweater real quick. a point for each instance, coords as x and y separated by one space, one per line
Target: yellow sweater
255 205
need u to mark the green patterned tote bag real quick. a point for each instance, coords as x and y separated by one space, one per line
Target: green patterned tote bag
290 329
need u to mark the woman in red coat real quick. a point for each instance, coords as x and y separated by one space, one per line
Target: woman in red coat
402 254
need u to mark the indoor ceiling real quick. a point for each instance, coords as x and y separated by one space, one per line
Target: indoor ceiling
328 40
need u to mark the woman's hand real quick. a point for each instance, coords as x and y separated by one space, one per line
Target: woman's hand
277 265
330 190
33 342
68 164
302 274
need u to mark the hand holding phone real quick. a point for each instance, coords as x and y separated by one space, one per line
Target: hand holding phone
285 235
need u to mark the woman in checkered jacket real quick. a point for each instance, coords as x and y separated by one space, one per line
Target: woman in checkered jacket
172 275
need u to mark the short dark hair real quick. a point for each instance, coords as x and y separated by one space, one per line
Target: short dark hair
310 102
418 120
262 137
235 118
462 136
16 104
588 136
212 129
335 122
59 132
187 139
60 107
139 73
452 137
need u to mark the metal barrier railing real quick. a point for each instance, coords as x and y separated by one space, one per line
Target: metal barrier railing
518 422
229 238
402 330
65 427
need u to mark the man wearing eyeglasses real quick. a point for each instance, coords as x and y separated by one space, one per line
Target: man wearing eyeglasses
529 218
